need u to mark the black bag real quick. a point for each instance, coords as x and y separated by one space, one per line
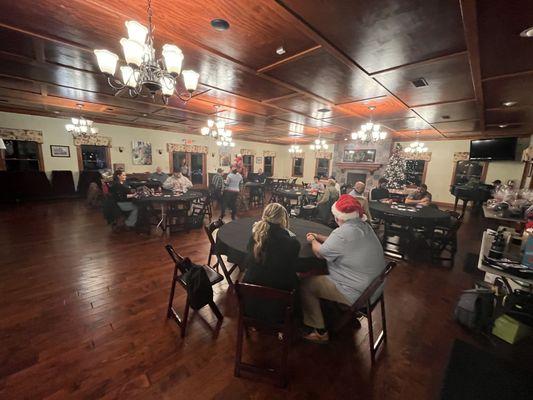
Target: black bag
519 305
475 309
199 287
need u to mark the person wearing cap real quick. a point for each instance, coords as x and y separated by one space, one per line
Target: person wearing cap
354 256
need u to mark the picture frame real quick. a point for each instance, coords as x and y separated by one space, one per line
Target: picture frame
359 156
141 152
224 159
57 150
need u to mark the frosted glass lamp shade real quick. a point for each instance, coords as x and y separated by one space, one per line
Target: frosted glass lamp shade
232 144
130 76
136 31
205 131
190 79
167 86
133 51
210 123
325 145
75 121
173 59
2 144
69 127
94 130
107 61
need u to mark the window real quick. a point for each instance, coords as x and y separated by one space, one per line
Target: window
191 165
415 172
466 171
248 162
298 166
269 166
94 158
21 155
322 167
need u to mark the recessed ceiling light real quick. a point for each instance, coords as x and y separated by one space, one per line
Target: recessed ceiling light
509 103
109 109
503 125
323 110
527 33
280 50
220 24
56 112
145 115
345 138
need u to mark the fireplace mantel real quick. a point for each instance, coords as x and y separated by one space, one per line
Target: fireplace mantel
371 167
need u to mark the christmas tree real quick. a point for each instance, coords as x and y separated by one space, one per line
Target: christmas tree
395 170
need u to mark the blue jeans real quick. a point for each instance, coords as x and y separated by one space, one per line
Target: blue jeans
133 210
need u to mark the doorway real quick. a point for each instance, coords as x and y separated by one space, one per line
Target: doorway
192 165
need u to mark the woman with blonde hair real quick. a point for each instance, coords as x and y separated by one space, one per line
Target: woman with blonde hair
272 259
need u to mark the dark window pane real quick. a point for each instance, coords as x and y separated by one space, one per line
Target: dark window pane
21 155
197 168
94 157
414 171
269 166
322 167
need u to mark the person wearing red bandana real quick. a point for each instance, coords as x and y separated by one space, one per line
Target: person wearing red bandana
354 256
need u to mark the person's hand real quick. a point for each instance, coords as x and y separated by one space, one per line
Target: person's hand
310 237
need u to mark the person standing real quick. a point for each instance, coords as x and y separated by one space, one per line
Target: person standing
231 192
217 187
122 193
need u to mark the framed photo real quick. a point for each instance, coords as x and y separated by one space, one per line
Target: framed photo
356 156
121 166
225 159
141 152
259 160
59 151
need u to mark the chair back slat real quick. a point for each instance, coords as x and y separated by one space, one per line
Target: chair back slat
374 285
209 229
178 259
247 291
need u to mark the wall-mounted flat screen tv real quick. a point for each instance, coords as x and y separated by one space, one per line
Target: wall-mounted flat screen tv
497 149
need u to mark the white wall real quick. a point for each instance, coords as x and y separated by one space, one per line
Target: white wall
53 130
440 168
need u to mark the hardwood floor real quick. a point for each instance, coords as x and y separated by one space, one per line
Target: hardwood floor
82 315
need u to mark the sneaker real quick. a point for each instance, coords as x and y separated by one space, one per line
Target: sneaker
316 337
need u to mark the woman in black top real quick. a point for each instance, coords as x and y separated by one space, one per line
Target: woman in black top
122 193
272 260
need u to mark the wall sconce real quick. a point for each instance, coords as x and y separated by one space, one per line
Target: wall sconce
160 151
121 149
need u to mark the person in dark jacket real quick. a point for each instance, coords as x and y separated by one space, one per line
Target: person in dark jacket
122 193
271 260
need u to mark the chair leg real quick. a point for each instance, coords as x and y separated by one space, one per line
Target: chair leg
210 256
370 330
170 314
238 351
383 318
284 358
185 317
216 311
225 271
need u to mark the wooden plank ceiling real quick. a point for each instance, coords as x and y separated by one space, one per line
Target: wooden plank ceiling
343 55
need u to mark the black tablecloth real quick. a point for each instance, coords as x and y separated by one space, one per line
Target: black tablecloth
290 193
233 237
422 216
189 196
152 184
254 184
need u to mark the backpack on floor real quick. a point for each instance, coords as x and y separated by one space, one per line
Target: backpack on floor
475 308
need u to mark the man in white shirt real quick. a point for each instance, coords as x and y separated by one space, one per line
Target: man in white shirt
177 183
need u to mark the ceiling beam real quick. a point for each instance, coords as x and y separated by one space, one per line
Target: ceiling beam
288 59
469 17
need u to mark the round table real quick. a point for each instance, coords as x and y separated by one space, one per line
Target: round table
233 237
416 216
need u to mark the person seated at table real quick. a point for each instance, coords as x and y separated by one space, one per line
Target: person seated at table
122 193
330 195
421 196
316 184
496 186
159 175
354 257
381 193
271 260
260 176
231 192
337 185
359 193
178 183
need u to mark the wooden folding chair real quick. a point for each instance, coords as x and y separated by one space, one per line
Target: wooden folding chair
364 305
209 230
282 330
179 270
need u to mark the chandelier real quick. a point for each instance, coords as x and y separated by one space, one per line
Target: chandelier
81 127
416 147
295 149
145 75
369 132
319 144
217 130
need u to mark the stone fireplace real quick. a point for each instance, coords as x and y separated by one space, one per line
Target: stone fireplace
347 170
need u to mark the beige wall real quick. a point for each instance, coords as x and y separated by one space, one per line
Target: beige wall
122 136
440 168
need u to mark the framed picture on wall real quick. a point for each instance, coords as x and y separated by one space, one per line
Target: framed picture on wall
141 152
59 151
225 159
120 166
259 160
359 156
